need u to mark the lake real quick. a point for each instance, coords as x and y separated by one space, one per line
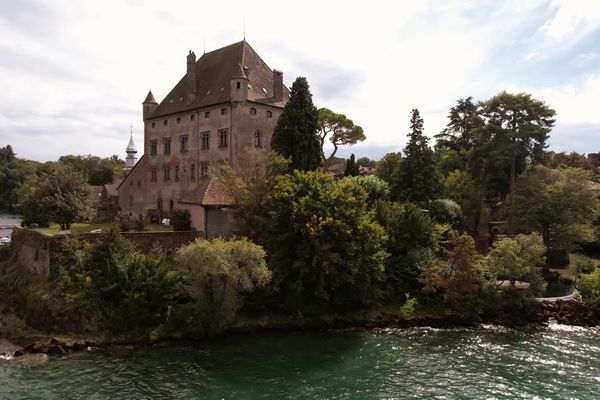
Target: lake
486 362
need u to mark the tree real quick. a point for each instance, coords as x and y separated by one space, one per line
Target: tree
61 195
460 276
325 248
216 274
418 179
13 172
112 286
518 125
556 203
351 167
377 189
460 187
518 259
295 135
366 162
98 171
411 242
388 167
342 129
460 130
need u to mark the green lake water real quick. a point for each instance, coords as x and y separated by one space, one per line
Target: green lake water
559 362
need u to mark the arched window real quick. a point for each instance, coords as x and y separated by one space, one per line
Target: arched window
258 139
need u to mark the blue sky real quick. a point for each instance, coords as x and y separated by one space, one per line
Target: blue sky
73 74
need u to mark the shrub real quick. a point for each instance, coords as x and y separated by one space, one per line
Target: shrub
582 264
113 287
216 274
5 252
589 286
124 222
557 258
445 211
182 220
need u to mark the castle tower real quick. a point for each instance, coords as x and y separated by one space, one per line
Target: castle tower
149 104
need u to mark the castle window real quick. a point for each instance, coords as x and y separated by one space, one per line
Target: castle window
257 139
223 136
193 172
203 170
167 146
239 85
253 111
167 173
177 173
153 175
205 140
178 119
223 111
153 147
192 117
183 143
154 124
269 114
165 122
130 200
207 114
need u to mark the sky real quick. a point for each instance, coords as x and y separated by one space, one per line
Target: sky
73 74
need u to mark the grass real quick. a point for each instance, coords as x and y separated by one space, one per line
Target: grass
85 228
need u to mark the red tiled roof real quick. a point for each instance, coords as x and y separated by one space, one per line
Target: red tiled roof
214 71
209 192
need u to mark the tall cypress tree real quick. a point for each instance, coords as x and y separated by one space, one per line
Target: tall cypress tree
295 135
351 167
417 176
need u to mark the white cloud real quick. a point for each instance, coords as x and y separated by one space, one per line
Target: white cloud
573 20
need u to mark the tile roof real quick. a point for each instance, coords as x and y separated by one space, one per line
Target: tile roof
112 188
214 71
209 192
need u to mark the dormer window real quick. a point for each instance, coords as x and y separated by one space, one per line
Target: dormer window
253 111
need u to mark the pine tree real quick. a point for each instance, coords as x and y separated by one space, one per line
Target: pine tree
418 179
295 135
351 167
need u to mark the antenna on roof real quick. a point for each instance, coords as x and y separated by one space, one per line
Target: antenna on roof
244 30
204 51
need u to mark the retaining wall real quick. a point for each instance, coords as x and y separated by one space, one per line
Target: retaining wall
36 250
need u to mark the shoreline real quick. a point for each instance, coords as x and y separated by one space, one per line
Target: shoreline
562 312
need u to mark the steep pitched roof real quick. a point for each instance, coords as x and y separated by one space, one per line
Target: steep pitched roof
209 192
214 71
150 98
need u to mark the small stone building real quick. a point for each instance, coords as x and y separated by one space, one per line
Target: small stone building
222 111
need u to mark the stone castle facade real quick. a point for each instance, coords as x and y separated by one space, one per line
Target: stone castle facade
222 111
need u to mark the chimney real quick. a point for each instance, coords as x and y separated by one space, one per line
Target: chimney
277 85
190 77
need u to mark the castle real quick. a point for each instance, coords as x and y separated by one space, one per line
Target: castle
222 111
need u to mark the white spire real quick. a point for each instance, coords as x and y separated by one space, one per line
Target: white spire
131 151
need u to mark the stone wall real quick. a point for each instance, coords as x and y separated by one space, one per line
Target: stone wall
35 250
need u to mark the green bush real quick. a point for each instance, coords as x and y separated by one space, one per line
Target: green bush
124 222
216 274
583 264
182 220
589 286
113 287
557 258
